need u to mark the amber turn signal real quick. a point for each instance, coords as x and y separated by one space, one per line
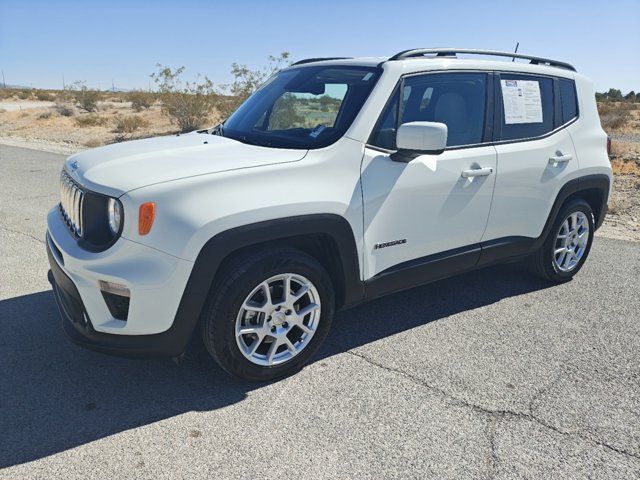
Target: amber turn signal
146 216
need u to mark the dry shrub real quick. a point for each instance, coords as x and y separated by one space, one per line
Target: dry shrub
626 167
44 96
614 115
45 115
24 94
129 124
64 107
141 100
90 120
93 143
2 110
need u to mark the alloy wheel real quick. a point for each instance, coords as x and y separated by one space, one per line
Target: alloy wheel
278 319
571 241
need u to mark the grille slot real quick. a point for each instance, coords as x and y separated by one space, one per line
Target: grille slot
71 202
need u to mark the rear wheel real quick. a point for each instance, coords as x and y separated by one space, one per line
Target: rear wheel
568 244
268 314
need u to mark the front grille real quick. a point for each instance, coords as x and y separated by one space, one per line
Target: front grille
71 201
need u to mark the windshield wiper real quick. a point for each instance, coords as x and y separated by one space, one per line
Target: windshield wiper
217 130
248 141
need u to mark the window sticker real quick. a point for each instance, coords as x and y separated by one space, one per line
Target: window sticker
317 131
522 101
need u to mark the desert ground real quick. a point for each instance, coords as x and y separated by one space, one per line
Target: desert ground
51 121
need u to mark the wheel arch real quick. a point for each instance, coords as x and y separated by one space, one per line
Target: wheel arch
594 189
327 237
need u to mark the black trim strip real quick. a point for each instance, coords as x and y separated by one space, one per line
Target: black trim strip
422 270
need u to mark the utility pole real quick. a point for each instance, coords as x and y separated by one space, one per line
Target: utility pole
3 82
63 85
113 87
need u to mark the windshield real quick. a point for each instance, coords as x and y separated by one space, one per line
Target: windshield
303 108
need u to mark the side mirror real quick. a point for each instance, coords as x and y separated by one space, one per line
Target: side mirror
419 138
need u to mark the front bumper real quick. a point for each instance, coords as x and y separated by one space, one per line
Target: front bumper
77 325
155 325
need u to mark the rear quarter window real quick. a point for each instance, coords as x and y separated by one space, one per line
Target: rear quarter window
527 106
568 99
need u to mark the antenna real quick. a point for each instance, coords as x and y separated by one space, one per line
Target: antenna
513 59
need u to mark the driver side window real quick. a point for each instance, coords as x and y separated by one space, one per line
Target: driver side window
456 99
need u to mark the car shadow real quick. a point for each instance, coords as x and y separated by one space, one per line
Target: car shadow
55 396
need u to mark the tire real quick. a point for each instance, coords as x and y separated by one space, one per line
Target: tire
559 269
240 288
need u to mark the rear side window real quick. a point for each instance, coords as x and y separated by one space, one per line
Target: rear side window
568 99
456 99
527 106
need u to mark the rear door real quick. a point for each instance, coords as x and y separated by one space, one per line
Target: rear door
536 156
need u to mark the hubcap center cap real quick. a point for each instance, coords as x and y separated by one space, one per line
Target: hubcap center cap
278 318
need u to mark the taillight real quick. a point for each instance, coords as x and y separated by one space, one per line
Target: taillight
608 145
146 216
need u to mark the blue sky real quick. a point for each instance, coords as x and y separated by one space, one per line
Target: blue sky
101 41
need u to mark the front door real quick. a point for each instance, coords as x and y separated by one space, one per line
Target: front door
429 207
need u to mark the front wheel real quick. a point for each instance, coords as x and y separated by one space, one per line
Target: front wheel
268 314
567 247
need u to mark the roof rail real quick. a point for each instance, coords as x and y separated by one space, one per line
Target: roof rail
319 59
451 52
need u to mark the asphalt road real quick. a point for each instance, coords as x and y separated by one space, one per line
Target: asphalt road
494 374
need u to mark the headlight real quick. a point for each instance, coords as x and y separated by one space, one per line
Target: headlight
114 213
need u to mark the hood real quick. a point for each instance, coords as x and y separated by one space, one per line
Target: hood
122 167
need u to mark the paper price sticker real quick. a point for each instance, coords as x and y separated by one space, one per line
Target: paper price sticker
522 101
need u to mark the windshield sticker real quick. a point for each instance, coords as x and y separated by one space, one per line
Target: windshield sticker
367 77
317 131
522 102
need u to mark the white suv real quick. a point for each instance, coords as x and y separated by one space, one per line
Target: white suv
338 181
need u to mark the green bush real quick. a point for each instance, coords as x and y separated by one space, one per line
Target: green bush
187 104
88 100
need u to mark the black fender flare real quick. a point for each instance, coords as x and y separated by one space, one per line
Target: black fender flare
219 247
599 182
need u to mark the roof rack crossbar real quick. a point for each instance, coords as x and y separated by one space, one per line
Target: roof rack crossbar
451 52
319 59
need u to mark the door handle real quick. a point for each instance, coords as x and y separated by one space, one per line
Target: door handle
559 158
477 172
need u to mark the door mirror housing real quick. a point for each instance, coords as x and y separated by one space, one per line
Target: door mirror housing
419 138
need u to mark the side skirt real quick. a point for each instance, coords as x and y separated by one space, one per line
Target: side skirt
447 264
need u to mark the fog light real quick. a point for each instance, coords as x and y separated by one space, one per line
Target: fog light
115 288
117 298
